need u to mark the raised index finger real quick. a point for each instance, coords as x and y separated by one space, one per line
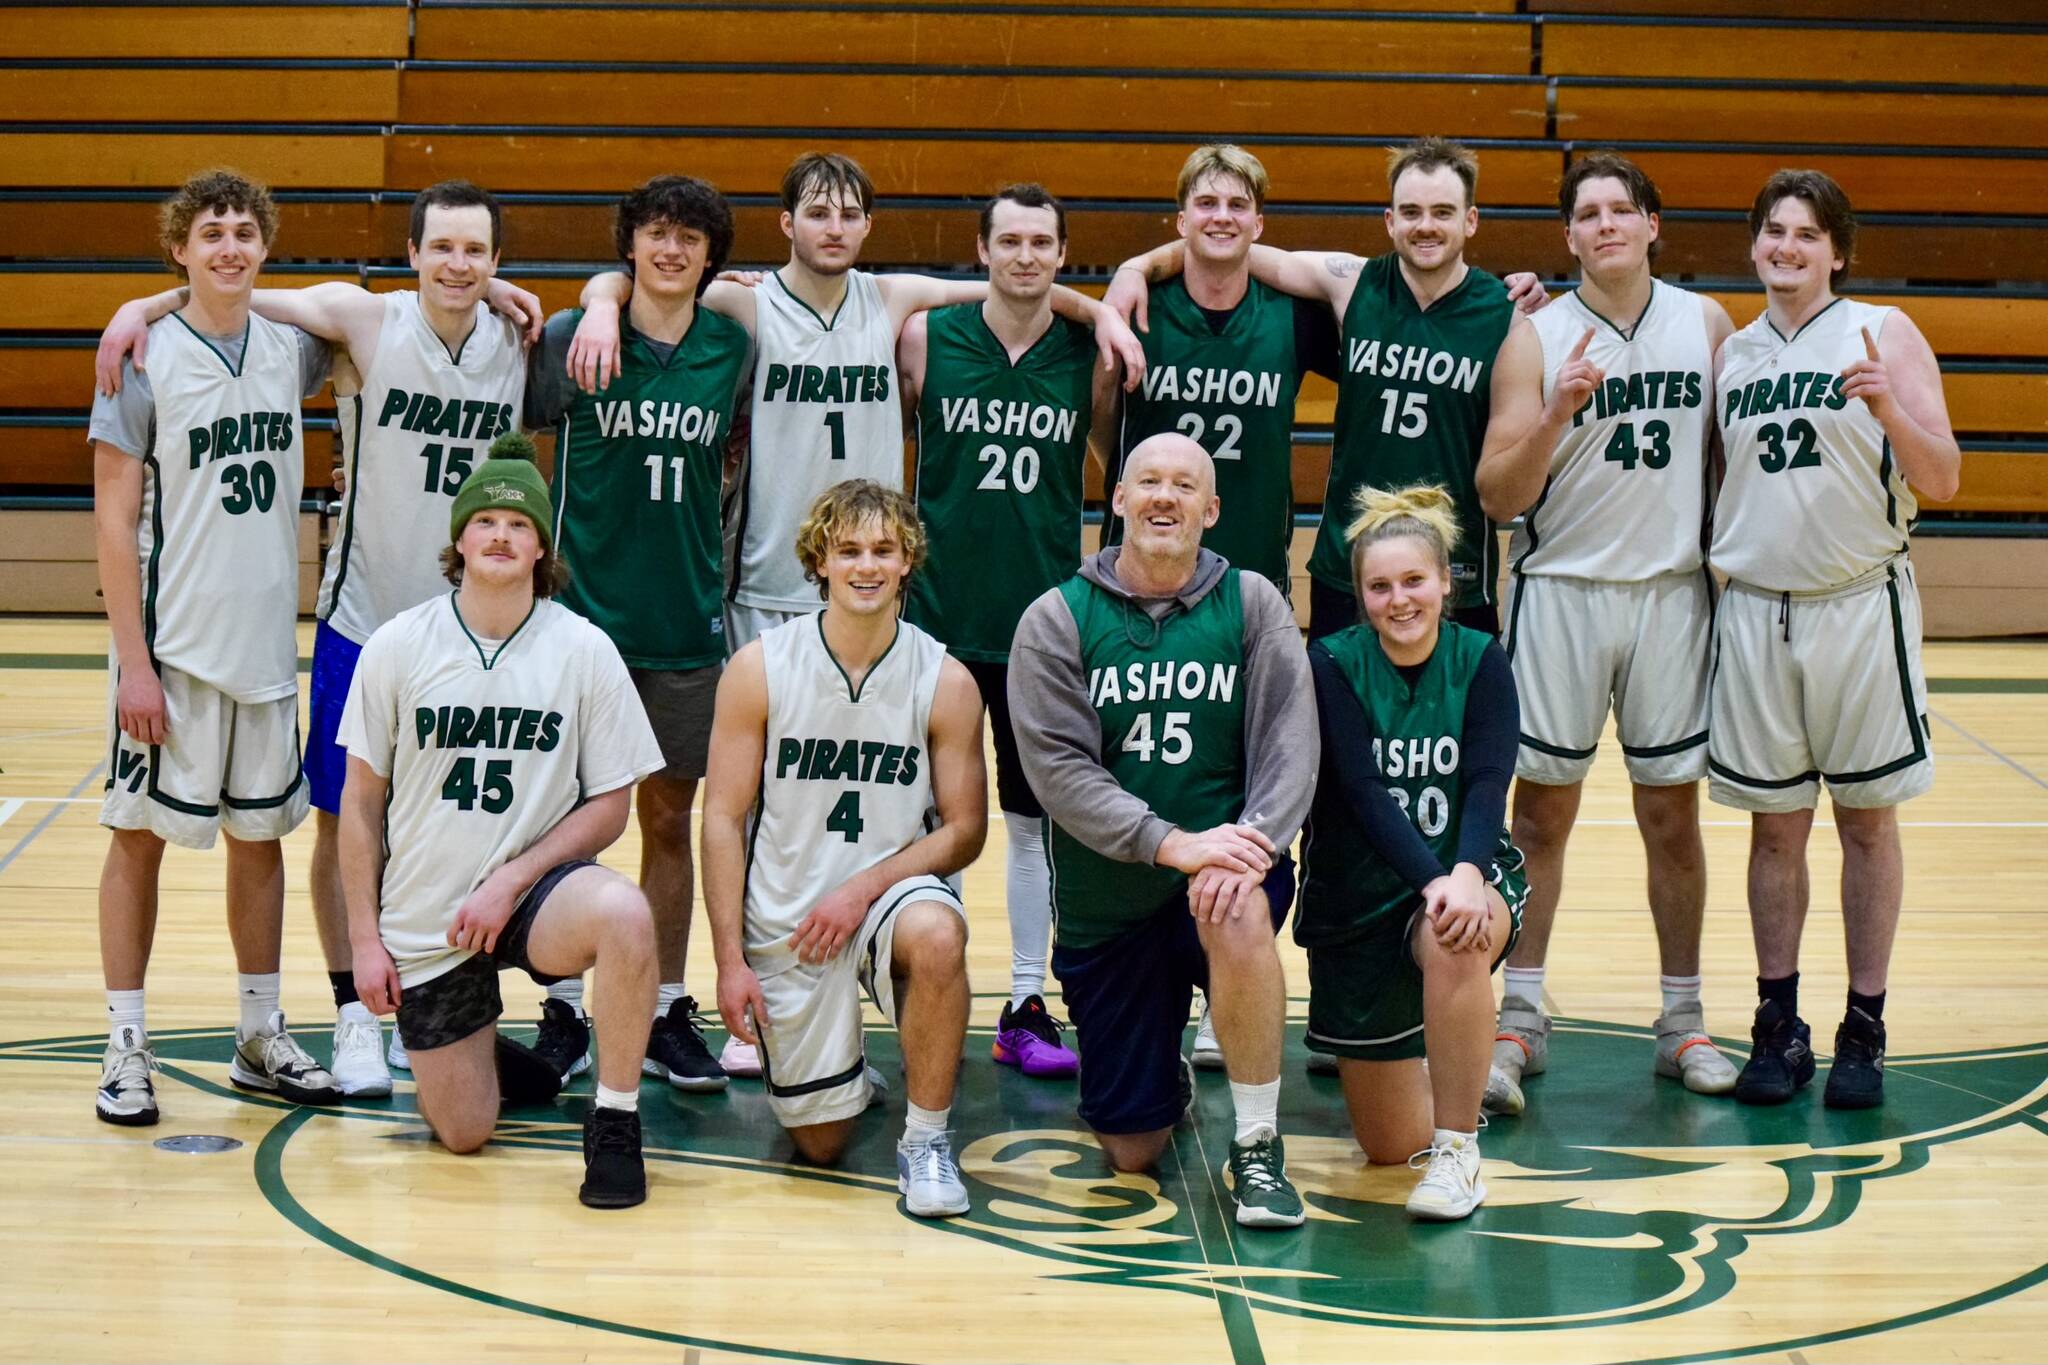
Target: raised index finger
1579 350
1869 343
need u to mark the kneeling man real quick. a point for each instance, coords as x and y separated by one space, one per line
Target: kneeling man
837 737
493 741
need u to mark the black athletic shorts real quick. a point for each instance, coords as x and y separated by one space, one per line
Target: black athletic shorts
1013 793
1129 1001
1330 611
456 1004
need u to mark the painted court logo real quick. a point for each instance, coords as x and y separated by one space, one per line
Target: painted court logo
1626 1220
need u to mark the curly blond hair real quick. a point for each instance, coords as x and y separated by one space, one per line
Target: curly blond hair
846 507
1423 510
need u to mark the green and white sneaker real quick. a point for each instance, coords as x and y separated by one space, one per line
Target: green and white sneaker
1257 1175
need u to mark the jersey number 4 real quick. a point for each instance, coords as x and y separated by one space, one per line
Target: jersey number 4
845 818
495 796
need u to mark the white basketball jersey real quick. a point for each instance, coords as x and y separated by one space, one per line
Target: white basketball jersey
219 530
1813 498
826 409
846 776
1626 497
424 419
487 745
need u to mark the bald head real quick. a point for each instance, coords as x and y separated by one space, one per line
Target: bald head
1166 496
1172 453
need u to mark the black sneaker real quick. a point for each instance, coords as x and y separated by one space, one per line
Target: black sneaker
563 1037
677 1052
1780 1057
1856 1078
524 1076
614 1176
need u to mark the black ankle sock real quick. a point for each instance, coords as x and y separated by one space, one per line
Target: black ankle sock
1783 989
1872 1005
344 984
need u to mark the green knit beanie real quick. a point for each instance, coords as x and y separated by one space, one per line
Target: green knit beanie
509 480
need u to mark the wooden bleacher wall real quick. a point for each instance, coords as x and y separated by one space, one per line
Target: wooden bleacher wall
1934 120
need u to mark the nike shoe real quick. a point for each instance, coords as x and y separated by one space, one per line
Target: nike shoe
1856 1078
677 1052
738 1058
1028 1038
1450 1187
127 1096
929 1179
1521 1048
359 1067
272 1062
1257 1176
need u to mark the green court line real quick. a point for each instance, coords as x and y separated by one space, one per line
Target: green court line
96 662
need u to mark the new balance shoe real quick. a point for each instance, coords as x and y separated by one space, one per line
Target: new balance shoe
394 1055
1521 1048
274 1063
1028 1038
1780 1057
739 1058
1257 1176
524 1076
1856 1076
563 1037
677 1052
929 1179
1208 1053
127 1096
359 1067
1685 1053
614 1174
1450 1187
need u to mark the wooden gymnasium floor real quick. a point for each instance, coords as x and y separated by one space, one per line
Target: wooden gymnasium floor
1628 1222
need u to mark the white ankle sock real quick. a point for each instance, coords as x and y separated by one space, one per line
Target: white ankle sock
1028 884
1258 1109
1444 1137
124 1010
570 990
356 1012
257 994
920 1124
1679 990
671 991
1524 982
628 1100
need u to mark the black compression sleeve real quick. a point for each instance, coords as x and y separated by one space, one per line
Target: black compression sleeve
1316 340
1347 761
1493 723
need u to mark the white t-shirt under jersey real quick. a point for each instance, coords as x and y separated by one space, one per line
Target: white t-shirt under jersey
1813 499
487 745
826 408
423 420
217 426
846 778
1626 497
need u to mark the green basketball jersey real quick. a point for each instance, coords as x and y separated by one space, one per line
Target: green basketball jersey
1412 405
1232 389
1170 698
1346 886
1000 454
637 475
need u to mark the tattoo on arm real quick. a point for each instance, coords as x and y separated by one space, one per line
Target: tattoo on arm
1343 266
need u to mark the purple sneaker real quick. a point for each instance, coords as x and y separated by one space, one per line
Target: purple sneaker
1028 1038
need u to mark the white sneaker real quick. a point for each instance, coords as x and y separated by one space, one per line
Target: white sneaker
127 1096
1208 1053
740 1059
1450 1187
929 1179
394 1055
272 1061
359 1055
